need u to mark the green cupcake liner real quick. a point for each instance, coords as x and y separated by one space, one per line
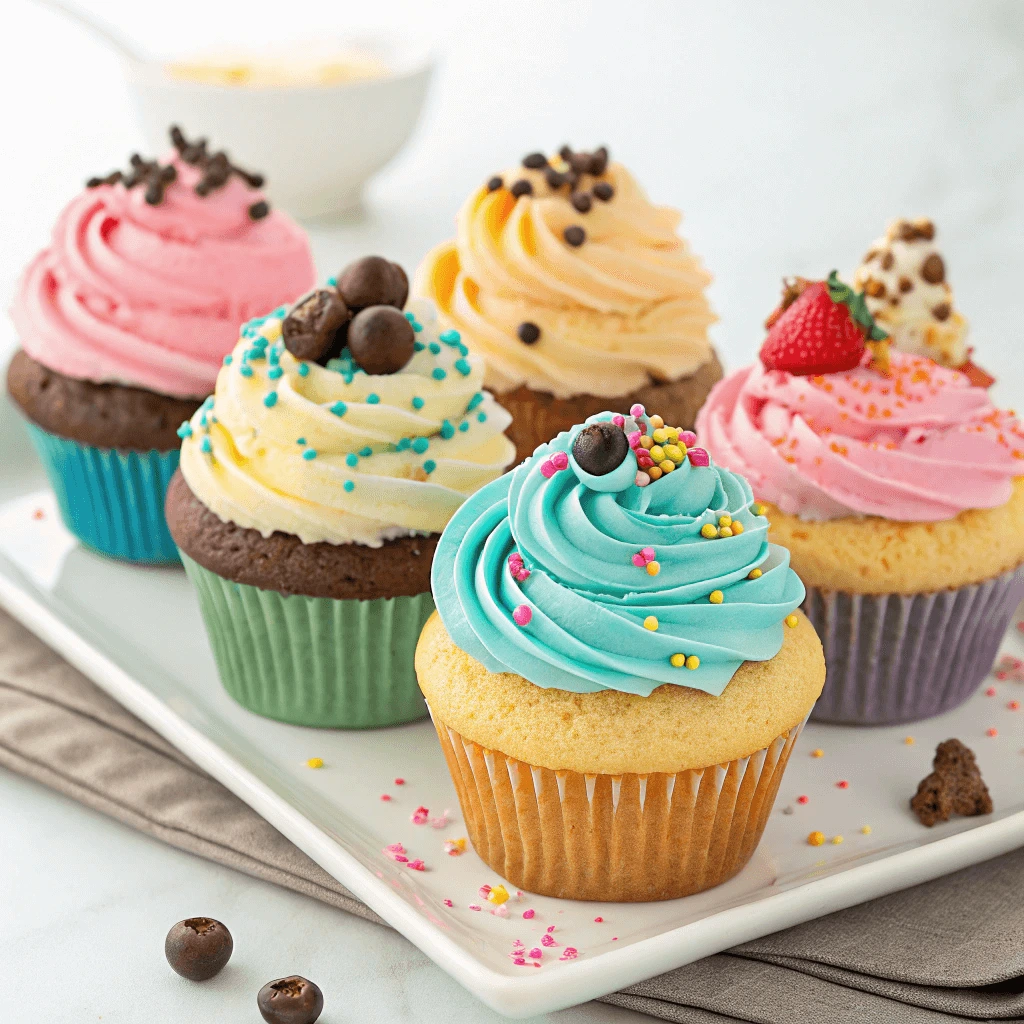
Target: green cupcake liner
314 661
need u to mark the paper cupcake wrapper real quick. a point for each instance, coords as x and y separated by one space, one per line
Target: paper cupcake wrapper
112 501
622 838
892 658
314 660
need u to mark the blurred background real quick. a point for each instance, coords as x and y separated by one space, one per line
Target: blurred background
788 133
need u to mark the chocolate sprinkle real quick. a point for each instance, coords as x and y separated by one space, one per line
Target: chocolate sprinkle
521 188
575 235
259 210
603 191
933 270
941 311
555 179
495 183
529 333
535 161
581 201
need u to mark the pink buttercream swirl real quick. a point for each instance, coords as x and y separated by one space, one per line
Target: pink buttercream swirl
152 296
921 445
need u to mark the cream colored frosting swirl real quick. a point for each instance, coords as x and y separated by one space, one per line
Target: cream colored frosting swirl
338 455
625 307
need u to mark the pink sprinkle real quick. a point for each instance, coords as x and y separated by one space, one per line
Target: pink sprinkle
990 692
569 953
598 920
518 944
417 865
399 782
648 554
485 891
633 438
385 797
523 614
547 469
1014 705
560 460
473 906
515 559
641 479
842 784
443 821
551 928
547 940
619 421
529 914
420 816
698 457
802 799
448 903
638 560
687 437
643 460
500 911
401 858
636 411
536 953
992 732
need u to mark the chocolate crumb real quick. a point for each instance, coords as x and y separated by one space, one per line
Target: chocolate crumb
521 188
603 191
933 270
535 161
599 161
941 311
555 179
581 201
565 152
494 183
876 289
259 210
955 786
574 235
906 284
111 179
529 333
888 260
925 228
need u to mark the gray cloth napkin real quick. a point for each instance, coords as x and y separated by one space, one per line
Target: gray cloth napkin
952 949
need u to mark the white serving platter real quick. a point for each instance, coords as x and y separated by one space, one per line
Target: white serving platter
137 633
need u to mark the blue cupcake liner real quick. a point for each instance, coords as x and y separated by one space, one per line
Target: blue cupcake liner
112 501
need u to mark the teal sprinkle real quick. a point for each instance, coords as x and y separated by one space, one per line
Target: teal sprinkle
438 373
464 426
260 341
203 420
463 367
227 360
208 403
270 399
256 354
417 327
447 430
417 402
405 442
332 282
275 373
347 378
420 445
481 417
300 440
207 445
349 485
274 356
435 348
351 459
418 346
303 369
366 452
245 371
309 454
339 408
475 401
281 312
410 317
429 466
185 430
372 399
463 351
450 337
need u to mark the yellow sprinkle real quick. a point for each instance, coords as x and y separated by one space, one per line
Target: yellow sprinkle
654 472
651 622
816 838
865 830
692 662
709 530
909 740
725 531
817 752
659 435
678 660
653 568
658 453
754 574
836 840
737 526
792 620
455 847
645 441
673 433
758 510
315 762
725 520
656 422
499 895
667 466
675 453
716 597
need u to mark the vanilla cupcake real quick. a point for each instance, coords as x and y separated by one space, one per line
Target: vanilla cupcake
616 672
311 495
579 294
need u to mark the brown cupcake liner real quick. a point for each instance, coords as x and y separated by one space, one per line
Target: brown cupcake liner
537 416
619 838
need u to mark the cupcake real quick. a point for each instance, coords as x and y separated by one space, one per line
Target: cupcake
123 323
609 672
899 490
313 486
903 278
579 294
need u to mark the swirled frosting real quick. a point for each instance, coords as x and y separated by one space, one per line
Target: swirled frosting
338 455
624 307
588 595
151 295
921 445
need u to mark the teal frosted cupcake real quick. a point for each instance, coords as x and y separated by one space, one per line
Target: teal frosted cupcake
311 496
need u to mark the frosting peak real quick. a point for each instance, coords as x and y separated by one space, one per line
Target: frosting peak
586 582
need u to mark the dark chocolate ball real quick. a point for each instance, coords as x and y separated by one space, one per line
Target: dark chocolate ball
292 1000
600 448
381 340
198 948
373 281
315 326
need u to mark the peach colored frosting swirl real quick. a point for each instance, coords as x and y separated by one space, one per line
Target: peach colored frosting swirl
152 296
921 445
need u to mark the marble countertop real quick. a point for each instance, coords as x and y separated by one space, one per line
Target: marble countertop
787 133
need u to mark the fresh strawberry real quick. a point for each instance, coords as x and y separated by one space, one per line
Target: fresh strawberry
822 329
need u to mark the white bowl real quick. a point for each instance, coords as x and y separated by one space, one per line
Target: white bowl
317 145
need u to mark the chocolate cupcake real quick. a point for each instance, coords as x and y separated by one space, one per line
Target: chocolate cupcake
579 294
312 491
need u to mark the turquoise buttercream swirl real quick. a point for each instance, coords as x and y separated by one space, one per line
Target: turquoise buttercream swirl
587 599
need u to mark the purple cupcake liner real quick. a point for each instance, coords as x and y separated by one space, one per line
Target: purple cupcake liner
892 658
